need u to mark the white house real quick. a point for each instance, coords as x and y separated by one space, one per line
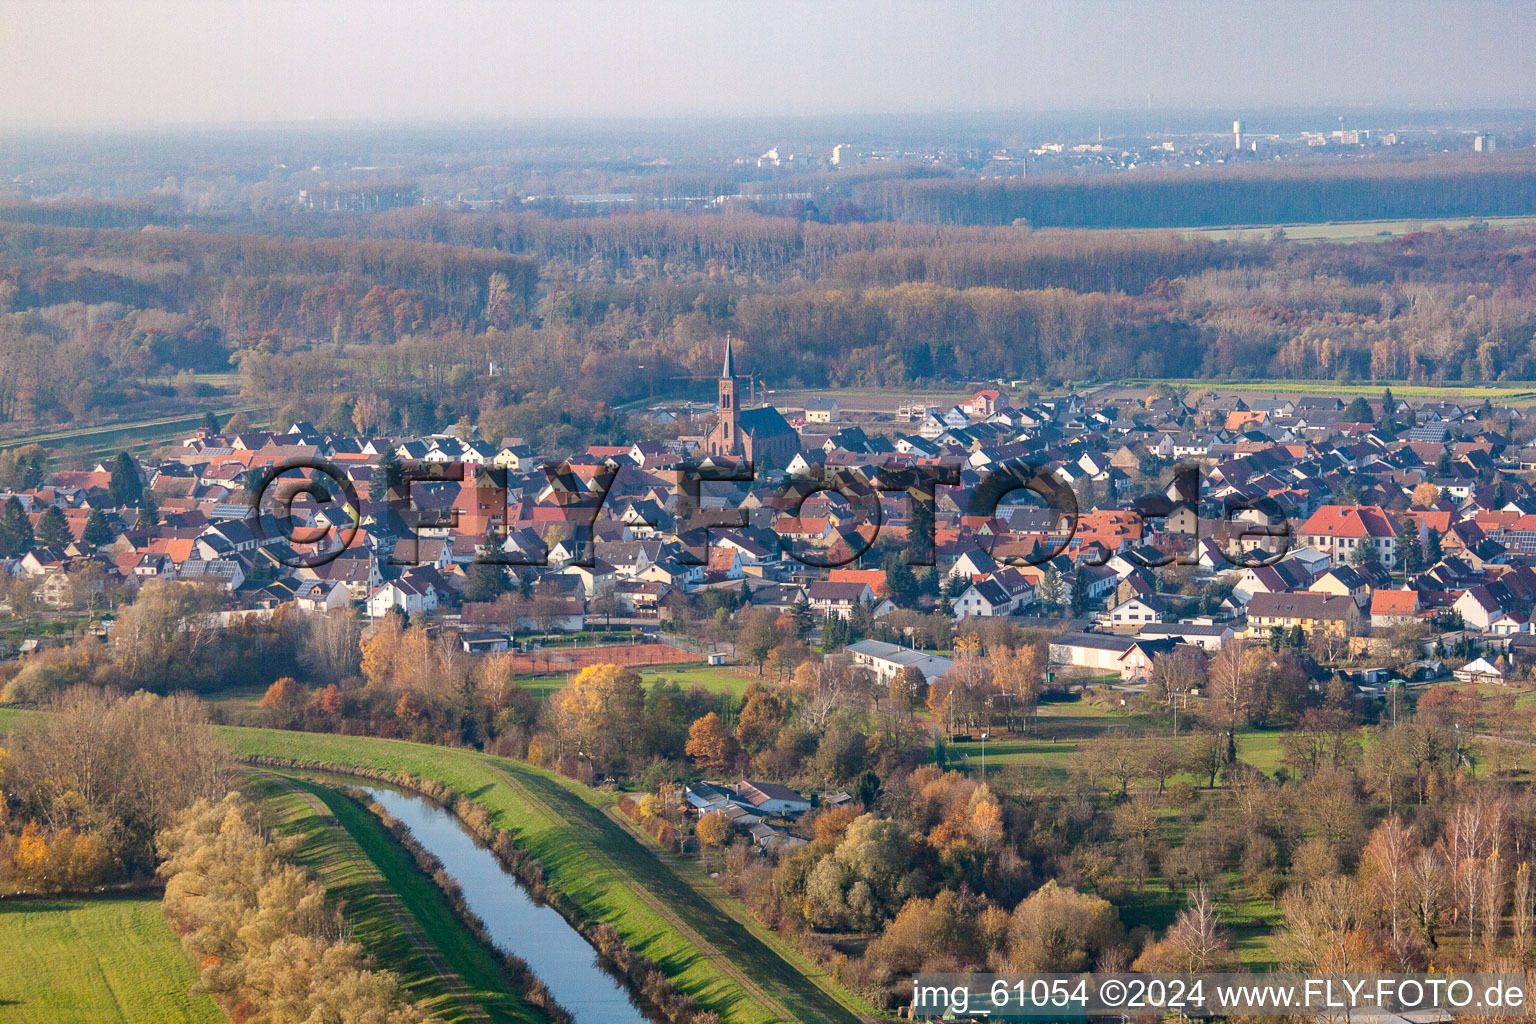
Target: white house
410 596
1135 611
771 798
1478 608
1480 670
985 599
886 660
321 596
829 598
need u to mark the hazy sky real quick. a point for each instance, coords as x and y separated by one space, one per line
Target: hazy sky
120 63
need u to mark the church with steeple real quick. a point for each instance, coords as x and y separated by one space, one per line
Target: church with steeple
760 435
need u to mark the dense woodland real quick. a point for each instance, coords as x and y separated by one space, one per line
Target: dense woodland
85 789
1249 195
539 327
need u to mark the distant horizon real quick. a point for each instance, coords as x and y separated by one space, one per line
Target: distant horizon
1183 120
171 64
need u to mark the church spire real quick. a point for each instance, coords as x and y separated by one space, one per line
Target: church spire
728 371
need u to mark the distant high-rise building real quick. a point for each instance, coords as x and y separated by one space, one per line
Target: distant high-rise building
840 152
1237 135
1484 144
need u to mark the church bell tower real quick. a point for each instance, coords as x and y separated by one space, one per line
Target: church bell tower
725 439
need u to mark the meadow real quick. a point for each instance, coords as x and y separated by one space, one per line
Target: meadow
97 960
1511 392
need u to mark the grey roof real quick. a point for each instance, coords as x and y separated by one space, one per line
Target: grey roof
893 653
1095 641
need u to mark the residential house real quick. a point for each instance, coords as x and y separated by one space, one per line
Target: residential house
1311 611
827 598
1394 607
771 798
886 660
1349 533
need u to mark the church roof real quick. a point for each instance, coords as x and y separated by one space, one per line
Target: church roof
764 421
729 369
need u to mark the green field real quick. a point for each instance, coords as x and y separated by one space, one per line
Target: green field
110 960
398 915
605 871
1059 725
1354 230
138 436
715 679
1509 391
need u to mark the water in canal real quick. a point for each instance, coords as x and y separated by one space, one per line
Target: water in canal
553 949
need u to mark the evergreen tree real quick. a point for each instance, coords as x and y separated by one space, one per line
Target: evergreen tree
868 789
211 422
928 583
800 615
1412 550
834 634
485 582
1358 411
921 529
860 621
53 528
126 489
15 527
1387 425
901 583
97 530
1049 592
149 512
386 476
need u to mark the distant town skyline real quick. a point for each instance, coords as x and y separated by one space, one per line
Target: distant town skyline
157 63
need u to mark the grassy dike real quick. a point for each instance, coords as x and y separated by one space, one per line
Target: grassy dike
742 973
398 914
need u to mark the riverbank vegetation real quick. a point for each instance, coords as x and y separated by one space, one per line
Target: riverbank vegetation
269 946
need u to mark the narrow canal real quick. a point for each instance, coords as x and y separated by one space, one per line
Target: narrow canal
517 924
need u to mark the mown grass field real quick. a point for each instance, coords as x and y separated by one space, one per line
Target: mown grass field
1510 391
1356 230
109 960
604 870
1062 725
716 679
398 914
137 436
1059 727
